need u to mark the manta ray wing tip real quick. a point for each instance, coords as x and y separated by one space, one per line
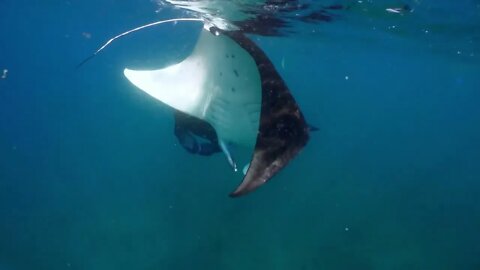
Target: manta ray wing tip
237 193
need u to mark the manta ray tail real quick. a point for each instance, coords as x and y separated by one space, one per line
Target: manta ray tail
131 31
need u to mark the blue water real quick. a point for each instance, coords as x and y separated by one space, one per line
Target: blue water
91 176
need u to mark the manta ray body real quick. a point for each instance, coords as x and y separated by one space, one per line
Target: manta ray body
230 83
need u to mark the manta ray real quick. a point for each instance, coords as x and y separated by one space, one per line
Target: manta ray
229 87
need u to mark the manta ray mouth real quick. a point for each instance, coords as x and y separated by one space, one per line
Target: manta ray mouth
233 86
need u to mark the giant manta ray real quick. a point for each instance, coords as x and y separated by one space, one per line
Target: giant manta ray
229 84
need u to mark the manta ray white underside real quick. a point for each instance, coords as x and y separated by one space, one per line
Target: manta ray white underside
218 83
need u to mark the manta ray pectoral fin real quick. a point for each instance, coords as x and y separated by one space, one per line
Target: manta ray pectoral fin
282 132
218 83
170 86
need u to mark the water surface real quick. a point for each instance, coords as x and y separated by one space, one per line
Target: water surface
91 176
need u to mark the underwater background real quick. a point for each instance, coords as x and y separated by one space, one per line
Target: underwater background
91 176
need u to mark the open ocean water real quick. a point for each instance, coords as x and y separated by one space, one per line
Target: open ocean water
91 176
